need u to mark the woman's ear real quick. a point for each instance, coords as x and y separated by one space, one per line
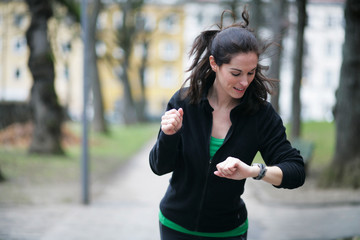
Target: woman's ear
213 63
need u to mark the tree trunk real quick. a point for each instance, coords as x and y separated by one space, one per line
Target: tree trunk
296 100
345 168
99 123
125 38
256 16
142 103
2 177
129 109
47 113
278 11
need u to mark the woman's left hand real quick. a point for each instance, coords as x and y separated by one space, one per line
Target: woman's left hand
234 168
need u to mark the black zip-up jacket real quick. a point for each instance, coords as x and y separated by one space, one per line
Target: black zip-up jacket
198 200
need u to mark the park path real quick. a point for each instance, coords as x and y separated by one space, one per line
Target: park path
128 207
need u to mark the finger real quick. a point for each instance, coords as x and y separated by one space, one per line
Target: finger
227 171
227 167
167 129
172 116
171 111
181 111
219 174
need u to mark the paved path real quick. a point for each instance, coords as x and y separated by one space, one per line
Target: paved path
128 208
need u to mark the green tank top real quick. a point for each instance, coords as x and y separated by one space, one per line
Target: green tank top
215 144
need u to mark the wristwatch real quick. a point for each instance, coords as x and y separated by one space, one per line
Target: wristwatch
262 170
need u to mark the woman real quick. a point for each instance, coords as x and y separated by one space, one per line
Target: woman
210 135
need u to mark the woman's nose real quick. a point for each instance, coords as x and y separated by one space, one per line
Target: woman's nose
244 81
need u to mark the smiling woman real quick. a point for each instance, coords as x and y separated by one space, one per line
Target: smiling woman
210 134
232 79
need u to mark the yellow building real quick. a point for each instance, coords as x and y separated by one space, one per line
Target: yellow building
164 72
15 77
165 69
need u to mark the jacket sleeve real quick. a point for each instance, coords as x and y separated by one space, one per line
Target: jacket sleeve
166 151
276 150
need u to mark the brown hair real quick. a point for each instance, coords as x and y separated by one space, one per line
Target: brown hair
223 44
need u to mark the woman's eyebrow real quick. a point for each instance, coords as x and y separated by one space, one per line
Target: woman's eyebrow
236 69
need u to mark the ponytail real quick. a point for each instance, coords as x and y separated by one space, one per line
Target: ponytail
200 68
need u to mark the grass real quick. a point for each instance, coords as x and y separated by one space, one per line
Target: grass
107 152
322 134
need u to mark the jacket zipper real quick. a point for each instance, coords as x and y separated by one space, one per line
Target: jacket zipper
203 196
207 176
202 199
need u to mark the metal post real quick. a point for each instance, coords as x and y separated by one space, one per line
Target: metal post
85 155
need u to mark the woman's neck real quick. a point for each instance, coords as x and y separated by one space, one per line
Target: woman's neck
219 99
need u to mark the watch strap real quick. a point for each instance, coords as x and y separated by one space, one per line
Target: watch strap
262 171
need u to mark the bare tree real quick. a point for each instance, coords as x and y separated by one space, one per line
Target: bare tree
141 105
94 6
125 40
278 23
345 167
47 113
99 123
299 51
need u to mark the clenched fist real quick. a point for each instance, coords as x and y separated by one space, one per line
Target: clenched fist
234 168
171 121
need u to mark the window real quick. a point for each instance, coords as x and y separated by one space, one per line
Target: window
150 22
66 72
149 77
101 21
18 20
331 78
170 24
19 44
331 21
169 50
118 53
66 47
100 48
330 51
117 20
145 22
168 77
200 18
17 74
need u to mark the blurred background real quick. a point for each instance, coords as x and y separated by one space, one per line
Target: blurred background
137 57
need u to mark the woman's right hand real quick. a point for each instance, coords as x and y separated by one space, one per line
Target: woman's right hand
171 121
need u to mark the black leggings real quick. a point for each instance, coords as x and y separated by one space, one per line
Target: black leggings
170 234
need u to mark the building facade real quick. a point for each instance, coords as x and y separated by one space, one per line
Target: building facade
14 74
170 28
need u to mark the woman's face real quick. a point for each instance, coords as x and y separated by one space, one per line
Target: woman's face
235 77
